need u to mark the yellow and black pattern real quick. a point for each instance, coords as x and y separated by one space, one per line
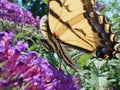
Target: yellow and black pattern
52 44
75 23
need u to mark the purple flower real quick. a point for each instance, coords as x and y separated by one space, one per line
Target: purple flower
5 43
20 46
27 71
11 12
99 6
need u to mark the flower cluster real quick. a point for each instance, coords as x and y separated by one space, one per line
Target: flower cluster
24 70
11 12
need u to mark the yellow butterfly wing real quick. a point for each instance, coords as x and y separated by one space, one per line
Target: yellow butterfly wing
52 44
74 22
66 19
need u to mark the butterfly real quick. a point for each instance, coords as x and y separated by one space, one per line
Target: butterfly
75 23
54 45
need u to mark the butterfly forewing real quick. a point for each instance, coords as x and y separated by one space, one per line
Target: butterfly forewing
61 11
81 35
67 19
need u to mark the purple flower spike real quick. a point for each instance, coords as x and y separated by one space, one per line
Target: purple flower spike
11 12
35 72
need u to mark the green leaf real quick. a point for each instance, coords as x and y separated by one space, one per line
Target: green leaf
114 2
19 35
53 59
99 64
102 83
83 59
45 1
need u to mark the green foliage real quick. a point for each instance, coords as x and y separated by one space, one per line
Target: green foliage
83 59
45 1
100 74
37 7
